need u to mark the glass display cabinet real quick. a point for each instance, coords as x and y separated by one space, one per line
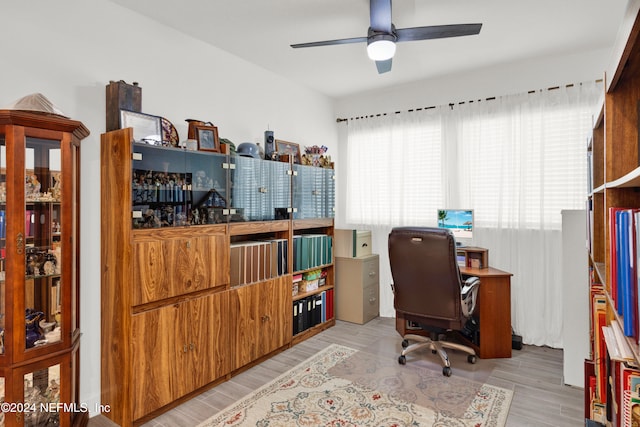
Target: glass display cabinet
39 253
313 192
261 190
174 187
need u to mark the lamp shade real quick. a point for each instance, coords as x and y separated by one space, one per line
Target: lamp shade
381 49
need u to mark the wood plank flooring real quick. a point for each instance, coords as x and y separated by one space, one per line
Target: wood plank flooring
533 373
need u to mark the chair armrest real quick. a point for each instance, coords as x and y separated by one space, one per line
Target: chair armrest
468 294
469 285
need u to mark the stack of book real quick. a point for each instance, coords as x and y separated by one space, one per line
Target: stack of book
312 310
254 261
624 229
311 250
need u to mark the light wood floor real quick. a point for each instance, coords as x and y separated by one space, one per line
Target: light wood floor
533 373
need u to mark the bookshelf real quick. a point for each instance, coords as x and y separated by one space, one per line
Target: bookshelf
197 268
614 233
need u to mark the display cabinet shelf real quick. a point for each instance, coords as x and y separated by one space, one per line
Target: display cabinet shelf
320 289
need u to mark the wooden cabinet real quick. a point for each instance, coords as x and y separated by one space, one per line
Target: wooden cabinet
262 319
178 348
170 263
172 323
39 266
614 181
165 302
357 288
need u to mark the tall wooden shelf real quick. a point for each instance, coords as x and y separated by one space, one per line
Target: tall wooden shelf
615 181
174 323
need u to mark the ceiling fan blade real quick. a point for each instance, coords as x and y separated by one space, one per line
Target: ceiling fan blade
380 15
383 66
331 42
437 32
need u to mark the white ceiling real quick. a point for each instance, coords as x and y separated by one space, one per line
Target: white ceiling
260 31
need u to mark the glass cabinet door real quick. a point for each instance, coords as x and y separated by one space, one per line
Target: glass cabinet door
42 397
279 190
208 187
44 283
159 192
329 193
313 192
247 186
308 184
261 189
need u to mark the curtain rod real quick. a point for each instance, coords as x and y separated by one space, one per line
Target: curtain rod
451 104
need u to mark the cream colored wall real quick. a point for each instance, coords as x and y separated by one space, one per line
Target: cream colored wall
69 50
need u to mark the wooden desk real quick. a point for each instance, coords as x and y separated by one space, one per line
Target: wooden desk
494 311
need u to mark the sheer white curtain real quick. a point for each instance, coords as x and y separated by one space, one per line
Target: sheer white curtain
516 160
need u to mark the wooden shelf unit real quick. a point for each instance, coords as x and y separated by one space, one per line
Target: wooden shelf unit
172 323
615 175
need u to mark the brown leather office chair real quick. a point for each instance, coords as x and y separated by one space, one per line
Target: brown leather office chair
429 290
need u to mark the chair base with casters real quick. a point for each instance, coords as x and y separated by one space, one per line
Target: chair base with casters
437 347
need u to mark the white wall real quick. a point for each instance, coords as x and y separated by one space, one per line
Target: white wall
480 83
69 50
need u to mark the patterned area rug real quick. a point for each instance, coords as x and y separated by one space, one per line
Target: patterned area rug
342 387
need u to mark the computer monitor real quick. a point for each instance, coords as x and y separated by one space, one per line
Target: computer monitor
459 221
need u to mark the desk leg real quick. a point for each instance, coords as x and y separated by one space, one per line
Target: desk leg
494 305
494 308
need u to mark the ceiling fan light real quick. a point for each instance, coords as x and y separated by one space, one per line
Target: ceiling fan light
381 49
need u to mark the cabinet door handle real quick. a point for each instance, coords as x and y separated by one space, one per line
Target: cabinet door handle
184 348
372 273
19 243
188 244
192 346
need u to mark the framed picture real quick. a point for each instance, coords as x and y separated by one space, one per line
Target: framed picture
290 148
207 137
146 128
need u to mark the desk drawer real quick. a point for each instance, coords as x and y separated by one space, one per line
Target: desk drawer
370 302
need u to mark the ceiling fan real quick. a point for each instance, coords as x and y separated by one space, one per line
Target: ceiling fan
382 35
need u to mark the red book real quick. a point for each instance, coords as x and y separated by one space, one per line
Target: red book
329 304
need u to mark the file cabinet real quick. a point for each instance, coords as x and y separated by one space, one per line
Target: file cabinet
357 288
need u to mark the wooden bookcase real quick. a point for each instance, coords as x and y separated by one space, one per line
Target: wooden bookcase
174 320
613 152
